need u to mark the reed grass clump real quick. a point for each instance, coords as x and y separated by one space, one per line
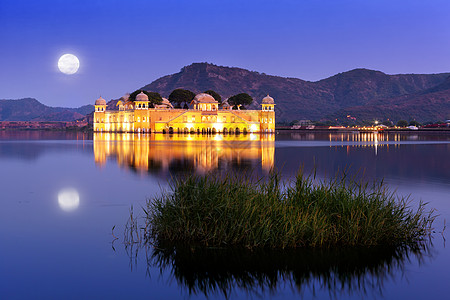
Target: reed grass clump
222 211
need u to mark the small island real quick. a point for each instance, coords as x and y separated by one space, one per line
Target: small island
226 211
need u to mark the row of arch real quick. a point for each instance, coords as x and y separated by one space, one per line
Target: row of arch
191 130
213 130
236 130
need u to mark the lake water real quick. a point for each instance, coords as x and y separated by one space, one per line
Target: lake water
64 196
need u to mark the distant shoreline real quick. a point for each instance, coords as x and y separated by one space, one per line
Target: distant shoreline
393 130
84 126
44 125
282 131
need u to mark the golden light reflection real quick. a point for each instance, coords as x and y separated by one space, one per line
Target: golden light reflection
364 139
193 152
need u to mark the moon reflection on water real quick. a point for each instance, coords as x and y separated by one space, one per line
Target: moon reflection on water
68 199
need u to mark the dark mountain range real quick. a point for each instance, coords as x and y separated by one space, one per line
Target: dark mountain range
29 109
431 104
363 93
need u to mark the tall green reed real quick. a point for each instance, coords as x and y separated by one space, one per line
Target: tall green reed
219 211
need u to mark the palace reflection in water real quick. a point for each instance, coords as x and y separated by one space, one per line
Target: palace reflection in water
159 153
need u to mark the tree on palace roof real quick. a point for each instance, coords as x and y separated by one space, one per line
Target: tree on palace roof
179 96
241 99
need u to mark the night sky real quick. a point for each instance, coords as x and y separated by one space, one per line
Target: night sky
123 45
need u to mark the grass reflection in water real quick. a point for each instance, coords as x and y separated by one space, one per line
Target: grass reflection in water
339 272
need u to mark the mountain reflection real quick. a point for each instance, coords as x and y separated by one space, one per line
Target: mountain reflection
164 154
338 272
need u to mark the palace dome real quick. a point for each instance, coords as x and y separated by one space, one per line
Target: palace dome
268 100
141 97
100 101
204 98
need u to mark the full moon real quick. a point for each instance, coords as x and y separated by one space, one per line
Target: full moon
68 199
68 64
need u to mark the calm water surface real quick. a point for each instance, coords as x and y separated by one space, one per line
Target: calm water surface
62 193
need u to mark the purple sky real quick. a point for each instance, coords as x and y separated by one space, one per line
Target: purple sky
123 45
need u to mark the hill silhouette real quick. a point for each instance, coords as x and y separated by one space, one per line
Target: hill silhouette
30 109
361 92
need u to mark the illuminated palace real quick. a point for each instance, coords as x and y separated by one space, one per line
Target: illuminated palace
204 116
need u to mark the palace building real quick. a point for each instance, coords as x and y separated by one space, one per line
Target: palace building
205 115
